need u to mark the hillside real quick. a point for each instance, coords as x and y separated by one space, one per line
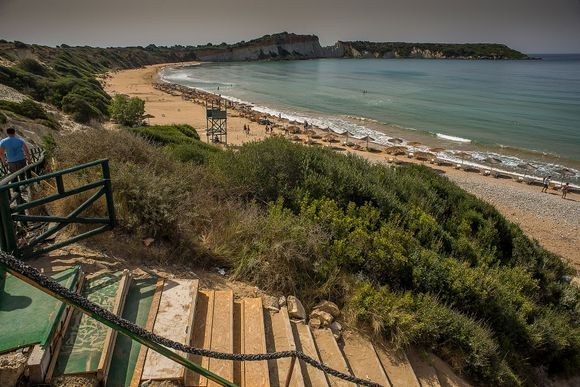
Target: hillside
405 253
389 50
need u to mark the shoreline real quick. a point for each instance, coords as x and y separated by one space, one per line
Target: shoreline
509 159
553 221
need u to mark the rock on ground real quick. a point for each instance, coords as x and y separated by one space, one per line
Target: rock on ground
295 308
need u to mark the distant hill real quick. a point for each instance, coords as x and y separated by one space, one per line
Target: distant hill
389 50
281 46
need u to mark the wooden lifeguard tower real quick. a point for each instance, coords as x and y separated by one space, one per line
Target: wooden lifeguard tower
216 122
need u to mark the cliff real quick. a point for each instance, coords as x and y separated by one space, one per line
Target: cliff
282 46
389 50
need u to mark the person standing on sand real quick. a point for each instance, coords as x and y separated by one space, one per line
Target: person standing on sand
14 152
565 188
546 183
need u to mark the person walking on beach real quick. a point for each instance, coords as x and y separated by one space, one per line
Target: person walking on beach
14 152
565 188
546 183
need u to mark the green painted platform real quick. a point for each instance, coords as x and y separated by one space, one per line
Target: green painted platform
136 310
84 340
27 315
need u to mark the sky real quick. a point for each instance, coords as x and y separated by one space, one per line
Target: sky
531 26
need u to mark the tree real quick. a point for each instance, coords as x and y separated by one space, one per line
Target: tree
127 111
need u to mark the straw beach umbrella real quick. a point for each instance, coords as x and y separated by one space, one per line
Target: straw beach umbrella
464 156
492 161
366 138
420 155
436 149
396 150
395 140
414 143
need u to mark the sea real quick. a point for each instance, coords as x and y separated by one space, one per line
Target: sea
517 116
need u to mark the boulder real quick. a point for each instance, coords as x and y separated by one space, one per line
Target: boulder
295 308
271 303
325 318
282 301
328 307
315 323
336 329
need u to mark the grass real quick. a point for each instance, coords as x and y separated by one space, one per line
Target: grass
404 252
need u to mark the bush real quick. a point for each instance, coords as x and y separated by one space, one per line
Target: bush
168 134
127 111
404 251
27 108
32 66
3 118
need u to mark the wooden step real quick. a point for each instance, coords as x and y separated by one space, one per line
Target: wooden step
213 329
305 343
331 355
252 339
136 378
447 377
174 321
362 359
279 337
424 371
397 367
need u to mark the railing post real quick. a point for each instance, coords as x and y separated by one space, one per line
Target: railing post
109 193
8 235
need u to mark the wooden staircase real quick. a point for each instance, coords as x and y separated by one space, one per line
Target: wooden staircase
214 319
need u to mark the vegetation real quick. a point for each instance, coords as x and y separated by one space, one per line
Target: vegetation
405 252
64 86
404 50
29 109
127 110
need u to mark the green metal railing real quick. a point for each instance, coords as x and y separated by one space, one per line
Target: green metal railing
17 201
10 265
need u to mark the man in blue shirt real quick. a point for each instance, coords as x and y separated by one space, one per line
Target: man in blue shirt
13 151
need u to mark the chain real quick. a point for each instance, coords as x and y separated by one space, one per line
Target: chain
67 295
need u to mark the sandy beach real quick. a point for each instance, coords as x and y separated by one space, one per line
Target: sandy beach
546 217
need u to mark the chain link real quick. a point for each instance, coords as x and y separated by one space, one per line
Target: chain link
34 275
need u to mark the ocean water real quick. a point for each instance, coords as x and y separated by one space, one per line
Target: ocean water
525 114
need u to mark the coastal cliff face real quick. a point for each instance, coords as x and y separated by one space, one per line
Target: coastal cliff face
283 46
389 50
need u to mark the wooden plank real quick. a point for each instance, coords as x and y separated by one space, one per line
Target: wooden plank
331 355
171 322
136 378
60 335
111 336
200 338
424 371
279 337
190 322
362 359
222 339
305 343
255 372
447 377
397 367
238 340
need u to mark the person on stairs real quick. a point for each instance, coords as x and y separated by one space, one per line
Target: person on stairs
14 151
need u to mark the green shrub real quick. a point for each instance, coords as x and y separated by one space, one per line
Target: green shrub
126 110
27 108
169 134
3 118
32 66
404 251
